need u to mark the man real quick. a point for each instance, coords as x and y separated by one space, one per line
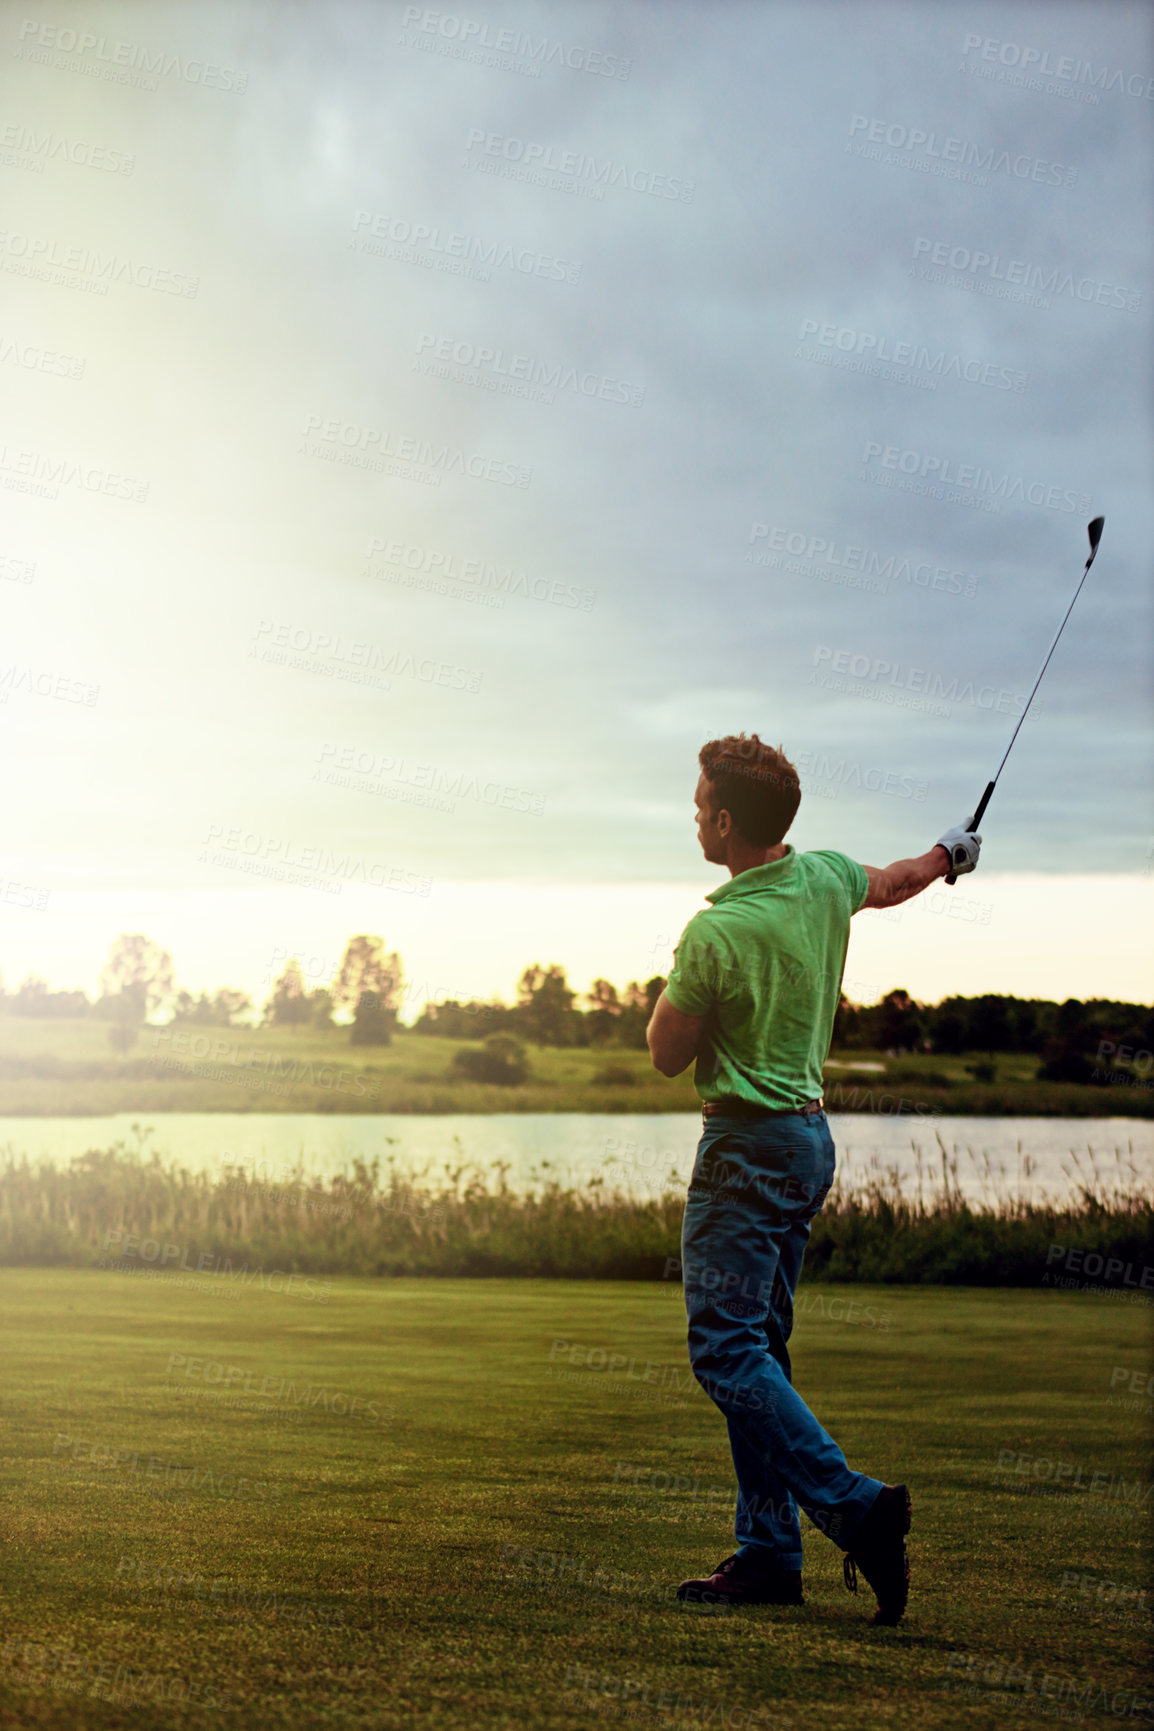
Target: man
752 995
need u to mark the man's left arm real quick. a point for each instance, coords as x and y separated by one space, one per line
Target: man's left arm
672 1037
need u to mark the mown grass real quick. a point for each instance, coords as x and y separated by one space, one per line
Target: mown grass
500 1547
66 1067
115 1205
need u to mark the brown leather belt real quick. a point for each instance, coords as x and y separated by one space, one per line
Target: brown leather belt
746 1109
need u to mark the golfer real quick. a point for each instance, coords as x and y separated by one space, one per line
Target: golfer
755 984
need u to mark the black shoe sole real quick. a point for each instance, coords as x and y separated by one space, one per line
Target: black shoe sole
883 1617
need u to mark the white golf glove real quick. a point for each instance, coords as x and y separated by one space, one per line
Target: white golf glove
963 847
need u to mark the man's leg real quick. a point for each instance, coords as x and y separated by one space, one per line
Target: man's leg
756 1187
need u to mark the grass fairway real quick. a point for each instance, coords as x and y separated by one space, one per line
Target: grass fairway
430 1557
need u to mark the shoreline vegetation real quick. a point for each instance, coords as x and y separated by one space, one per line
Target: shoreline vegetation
122 1210
66 1068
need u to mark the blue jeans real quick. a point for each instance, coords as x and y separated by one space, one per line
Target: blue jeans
757 1184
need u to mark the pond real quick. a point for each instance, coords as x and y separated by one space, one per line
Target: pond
640 1153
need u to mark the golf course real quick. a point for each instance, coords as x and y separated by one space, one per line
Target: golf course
453 1503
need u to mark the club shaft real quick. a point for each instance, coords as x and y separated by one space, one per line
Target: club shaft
1095 532
1038 681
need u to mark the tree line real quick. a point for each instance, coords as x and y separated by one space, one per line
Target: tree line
367 992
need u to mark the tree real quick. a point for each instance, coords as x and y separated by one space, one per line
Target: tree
365 968
1064 1057
372 1021
288 1006
640 1002
472 1021
604 1012
218 1011
846 1020
321 1007
990 1028
139 974
546 1005
229 1005
900 1028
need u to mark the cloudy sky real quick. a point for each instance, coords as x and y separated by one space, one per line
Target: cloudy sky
422 430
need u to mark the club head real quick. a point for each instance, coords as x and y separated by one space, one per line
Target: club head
1094 530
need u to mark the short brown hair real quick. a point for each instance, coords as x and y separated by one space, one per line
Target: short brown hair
755 784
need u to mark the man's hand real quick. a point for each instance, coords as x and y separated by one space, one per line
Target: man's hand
963 846
672 1038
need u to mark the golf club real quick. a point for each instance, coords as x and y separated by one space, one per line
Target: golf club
1094 530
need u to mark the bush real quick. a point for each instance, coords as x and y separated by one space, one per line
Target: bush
1063 1062
501 1059
470 1223
616 1076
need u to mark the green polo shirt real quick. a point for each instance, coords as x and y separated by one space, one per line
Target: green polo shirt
764 965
